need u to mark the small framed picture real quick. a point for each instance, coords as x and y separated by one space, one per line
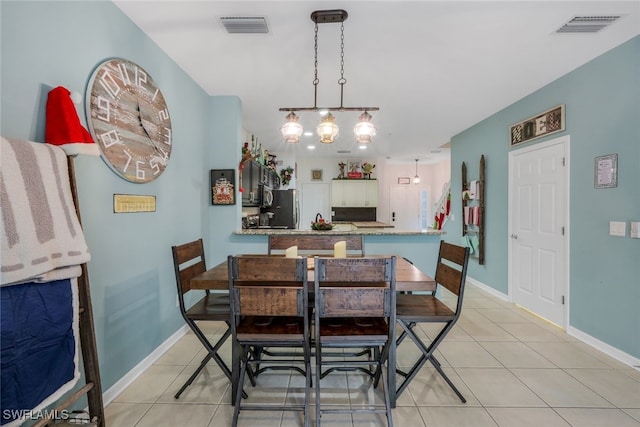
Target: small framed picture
353 166
223 187
404 180
606 171
354 169
316 174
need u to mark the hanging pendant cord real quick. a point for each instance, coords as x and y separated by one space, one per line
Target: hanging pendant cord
342 81
315 68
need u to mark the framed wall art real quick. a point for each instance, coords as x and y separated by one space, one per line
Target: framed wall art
223 186
606 171
354 169
551 121
404 180
316 174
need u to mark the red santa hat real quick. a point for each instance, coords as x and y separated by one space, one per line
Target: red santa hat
63 127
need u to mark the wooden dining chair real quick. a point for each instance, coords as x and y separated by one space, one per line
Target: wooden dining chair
189 261
270 308
354 307
412 309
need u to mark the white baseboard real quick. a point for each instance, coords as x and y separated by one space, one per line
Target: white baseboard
607 349
113 392
488 289
604 347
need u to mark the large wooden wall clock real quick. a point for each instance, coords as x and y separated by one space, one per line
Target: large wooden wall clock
129 120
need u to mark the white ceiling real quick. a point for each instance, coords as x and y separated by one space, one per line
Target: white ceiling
434 68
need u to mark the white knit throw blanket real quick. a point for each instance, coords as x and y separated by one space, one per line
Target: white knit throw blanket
41 236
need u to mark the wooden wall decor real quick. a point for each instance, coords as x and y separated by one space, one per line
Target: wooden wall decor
473 212
551 121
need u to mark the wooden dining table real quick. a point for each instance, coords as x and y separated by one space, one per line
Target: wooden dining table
408 278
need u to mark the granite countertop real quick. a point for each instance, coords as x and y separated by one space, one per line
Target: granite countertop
362 231
371 224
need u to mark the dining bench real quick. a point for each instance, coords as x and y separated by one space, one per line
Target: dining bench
315 244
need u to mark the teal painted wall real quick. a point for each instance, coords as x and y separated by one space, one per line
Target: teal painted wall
46 44
602 101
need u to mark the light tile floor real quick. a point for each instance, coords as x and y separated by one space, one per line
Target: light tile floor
513 368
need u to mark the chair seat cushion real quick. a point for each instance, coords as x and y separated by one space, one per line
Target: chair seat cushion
422 308
211 307
259 328
356 329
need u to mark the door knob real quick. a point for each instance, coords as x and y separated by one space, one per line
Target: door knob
514 236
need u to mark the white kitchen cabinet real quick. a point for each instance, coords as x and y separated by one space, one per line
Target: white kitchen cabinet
346 193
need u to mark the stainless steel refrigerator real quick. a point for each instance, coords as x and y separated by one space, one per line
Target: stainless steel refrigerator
285 209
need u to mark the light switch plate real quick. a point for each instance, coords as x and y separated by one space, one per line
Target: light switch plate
617 228
635 230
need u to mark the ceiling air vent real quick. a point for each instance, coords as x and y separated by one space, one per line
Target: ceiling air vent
245 24
588 24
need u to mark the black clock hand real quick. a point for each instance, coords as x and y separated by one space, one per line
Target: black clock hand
144 129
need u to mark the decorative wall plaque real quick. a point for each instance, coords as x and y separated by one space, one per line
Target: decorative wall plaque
551 121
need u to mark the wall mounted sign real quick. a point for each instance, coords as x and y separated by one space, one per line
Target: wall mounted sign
606 171
130 203
551 121
223 187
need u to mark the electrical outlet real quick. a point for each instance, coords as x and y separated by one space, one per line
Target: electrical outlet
635 230
617 228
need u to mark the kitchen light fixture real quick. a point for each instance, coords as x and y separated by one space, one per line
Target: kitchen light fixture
364 130
416 179
328 129
291 130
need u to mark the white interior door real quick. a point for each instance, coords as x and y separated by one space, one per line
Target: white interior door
315 199
404 206
538 236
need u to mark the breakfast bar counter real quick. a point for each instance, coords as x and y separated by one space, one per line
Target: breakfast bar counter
377 231
420 247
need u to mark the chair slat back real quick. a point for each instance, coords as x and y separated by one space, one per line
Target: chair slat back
354 269
269 301
353 302
451 270
193 254
316 243
268 286
267 269
354 287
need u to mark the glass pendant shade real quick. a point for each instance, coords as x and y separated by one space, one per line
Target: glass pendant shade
327 129
416 179
291 130
364 130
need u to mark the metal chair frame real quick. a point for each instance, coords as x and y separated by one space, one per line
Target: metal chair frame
211 307
270 308
451 272
349 291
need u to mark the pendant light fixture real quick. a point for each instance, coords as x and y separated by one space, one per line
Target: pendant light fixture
292 130
328 129
364 130
416 179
